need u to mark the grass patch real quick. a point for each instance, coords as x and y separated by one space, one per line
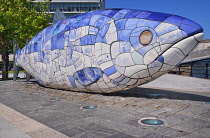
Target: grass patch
21 71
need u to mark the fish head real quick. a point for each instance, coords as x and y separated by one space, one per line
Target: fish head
150 46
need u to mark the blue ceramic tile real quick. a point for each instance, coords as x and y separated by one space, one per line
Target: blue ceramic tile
125 47
69 51
84 22
190 30
144 50
166 30
161 59
175 20
125 11
93 39
142 22
143 15
69 61
158 16
112 13
77 48
104 30
57 42
101 21
131 23
93 30
72 35
118 16
110 71
136 46
120 24
153 24
41 56
93 73
132 14
72 81
104 12
94 19
134 40
124 35
116 81
192 23
86 40
104 40
88 75
99 38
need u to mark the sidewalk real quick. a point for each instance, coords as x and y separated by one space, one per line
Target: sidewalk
16 125
183 103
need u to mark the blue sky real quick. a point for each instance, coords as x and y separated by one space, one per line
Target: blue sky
196 10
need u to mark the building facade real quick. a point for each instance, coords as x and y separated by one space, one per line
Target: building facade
74 7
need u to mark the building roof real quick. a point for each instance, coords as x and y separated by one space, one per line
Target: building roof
205 41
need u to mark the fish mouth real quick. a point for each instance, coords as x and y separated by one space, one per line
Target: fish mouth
178 51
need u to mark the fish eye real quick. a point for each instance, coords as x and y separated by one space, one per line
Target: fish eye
145 37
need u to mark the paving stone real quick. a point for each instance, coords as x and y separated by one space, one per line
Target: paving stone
154 135
193 135
99 130
203 132
120 135
170 132
188 127
72 132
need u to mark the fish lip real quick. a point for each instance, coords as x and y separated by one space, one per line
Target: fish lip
197 39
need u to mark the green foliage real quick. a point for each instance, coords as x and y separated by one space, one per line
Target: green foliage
19 19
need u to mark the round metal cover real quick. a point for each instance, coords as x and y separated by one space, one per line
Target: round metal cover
151 121
54 98
89 107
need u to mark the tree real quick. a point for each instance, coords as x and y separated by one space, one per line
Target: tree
20 20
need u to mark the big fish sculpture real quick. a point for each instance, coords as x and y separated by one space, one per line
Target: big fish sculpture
108 50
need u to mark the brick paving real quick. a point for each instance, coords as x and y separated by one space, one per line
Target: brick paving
185 112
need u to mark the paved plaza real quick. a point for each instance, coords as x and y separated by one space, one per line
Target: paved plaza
30 110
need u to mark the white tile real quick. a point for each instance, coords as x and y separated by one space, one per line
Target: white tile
173 56
112 28
187 45
158 74
165 68
171 37
115 75
132 82
165 28
102 84
79 64
124 59
105 48
115 49
70 70
120 69
130 71
138 58
164 47
154 70
143 73
110 38
106 65
124 81
150 56
106 79
87 61
98 46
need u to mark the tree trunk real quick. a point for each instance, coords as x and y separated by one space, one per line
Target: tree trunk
5 63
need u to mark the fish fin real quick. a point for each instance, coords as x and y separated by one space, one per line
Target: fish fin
88 76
